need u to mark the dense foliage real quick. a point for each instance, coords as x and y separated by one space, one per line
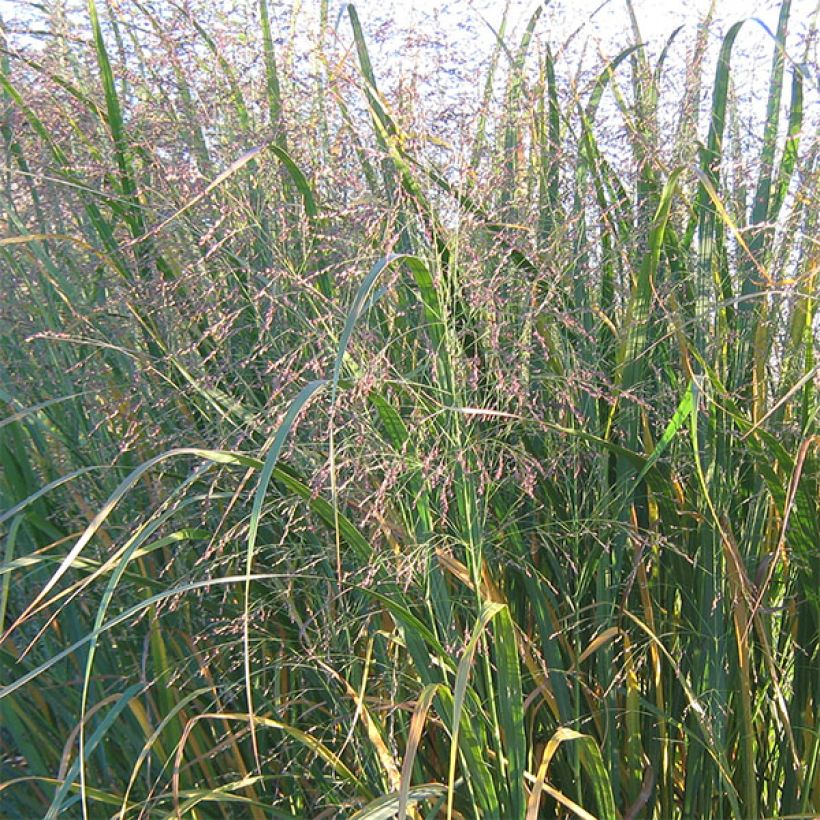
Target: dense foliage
359 461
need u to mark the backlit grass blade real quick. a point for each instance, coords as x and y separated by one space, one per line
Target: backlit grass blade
710 246
594 769
420 711
460 691
385 808
196 133
125 617
101 225
549 134
512 134
782 179
8 557
237 97
486 97
307 740
510 708
272 77
630 356
115 122
687 403
383 124
762 199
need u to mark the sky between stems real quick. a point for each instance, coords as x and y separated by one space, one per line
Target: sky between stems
445 44
605 20
601 19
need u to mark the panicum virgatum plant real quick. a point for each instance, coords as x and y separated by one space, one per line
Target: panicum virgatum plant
385 444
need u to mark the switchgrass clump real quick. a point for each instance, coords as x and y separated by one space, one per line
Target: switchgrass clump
358 462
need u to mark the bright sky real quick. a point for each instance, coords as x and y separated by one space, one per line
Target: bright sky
600 27
605 22
657 17
439 34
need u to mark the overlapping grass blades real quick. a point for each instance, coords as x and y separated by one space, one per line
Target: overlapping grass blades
546 547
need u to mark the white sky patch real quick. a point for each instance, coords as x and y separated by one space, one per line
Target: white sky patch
446 44
606 20
603 19
407 36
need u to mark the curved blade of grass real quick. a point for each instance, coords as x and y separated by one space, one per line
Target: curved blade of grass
215 456
489 611
167 718
324 509
127 615
385 808
297 176
97 568
594 765
306 739
417 722
140 536
8 556
412 624
35 408
44 490
98 795
94 740
272 456
223 794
